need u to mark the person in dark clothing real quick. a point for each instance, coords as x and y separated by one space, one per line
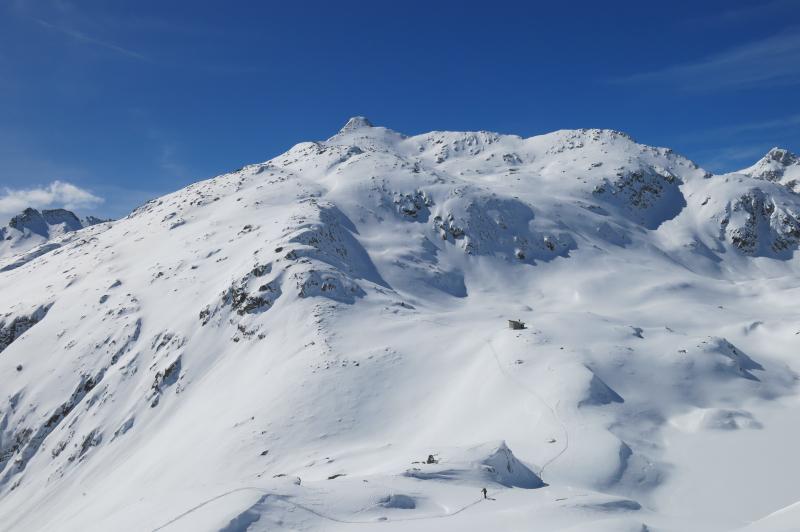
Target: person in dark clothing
485 496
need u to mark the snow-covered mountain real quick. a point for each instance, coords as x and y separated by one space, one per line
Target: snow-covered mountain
777 165
32 228
321 342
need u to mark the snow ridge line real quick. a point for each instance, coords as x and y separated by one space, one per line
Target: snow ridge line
552 410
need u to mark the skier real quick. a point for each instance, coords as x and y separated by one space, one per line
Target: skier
485 496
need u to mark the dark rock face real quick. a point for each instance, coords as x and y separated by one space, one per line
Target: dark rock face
784 157
497 225
648 196
774 166
34 233
13 328
26 441
94 220
40 223
62 216
319 257
414 205
757 227
32 220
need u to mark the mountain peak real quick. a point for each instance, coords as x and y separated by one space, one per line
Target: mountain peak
782 156
62 216
30 219
779 164
356 122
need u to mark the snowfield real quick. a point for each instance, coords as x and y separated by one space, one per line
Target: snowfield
284 346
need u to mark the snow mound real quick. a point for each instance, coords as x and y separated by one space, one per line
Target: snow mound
599 393
397 500
724 358
717 419
619 505
491 462
505 469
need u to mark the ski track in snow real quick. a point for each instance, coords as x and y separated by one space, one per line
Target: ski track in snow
538 397
284 498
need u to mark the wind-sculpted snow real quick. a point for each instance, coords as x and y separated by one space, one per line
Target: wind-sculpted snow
320 342
491 462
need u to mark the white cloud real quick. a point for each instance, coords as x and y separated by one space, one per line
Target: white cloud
731 159
88 39
56 194
754 130
774 61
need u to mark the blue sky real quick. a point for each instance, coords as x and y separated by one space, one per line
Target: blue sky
107 103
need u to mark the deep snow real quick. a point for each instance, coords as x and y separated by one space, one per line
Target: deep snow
282 347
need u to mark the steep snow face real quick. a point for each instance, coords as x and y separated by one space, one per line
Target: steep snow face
319 342
32 228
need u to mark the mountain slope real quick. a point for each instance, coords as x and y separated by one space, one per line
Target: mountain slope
283 347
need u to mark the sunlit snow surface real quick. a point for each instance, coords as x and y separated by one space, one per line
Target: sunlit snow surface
282 347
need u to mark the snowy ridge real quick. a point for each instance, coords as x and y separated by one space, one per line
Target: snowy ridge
284 346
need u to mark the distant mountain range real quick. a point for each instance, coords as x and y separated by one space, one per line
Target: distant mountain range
32 228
